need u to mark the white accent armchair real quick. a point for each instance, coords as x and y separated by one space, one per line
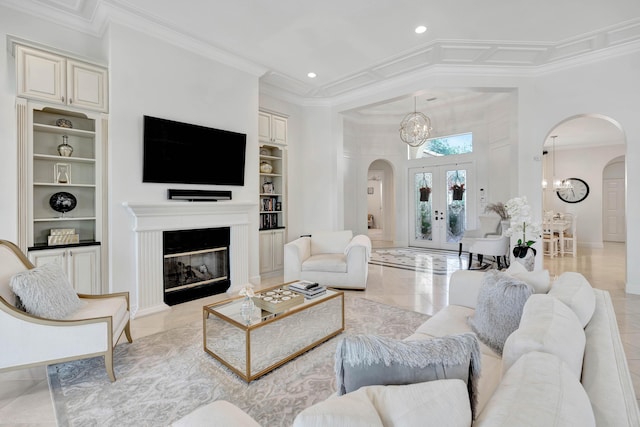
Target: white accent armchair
331 258
490 225
28 340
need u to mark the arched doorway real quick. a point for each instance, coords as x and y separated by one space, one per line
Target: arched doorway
381 217
582 148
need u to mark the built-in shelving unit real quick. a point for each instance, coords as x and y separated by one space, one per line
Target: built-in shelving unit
273 190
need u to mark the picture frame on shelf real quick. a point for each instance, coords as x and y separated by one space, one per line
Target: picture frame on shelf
62 173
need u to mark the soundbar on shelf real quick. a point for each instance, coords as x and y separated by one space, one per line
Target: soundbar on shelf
198 195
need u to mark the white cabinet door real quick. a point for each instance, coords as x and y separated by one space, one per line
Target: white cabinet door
266 252
264 126
272 128
41 75
80 264
57 79
271 250
278 249
279 129
86 85
84 269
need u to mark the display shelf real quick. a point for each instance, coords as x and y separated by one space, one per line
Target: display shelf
66 159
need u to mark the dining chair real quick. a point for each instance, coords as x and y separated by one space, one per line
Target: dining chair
550 241
568 239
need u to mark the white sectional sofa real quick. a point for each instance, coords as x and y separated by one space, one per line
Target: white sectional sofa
564 365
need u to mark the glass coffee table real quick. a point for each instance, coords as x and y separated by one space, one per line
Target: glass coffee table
253 345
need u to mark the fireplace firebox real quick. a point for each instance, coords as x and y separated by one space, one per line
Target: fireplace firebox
196 263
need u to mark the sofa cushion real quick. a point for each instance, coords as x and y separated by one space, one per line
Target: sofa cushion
576 292
443 403
331 263
330 242
452 320
116 307
500 301
538 390
45 291
539 280
363 360
549 326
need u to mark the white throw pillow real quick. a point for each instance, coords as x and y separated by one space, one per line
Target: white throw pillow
538 390
442 403
549 326
575 292
45 291
539 280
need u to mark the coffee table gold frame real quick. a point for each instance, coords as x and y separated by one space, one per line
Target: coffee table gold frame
255 346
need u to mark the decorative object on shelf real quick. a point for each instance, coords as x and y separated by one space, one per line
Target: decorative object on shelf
64 149
520 212
278 206
267 187
415 128
62 236
247 307
62 173
63 202
265 167
265 152
64 123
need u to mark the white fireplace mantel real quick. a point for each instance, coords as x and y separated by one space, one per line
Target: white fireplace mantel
151 219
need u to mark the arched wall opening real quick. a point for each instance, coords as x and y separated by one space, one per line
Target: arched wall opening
381 201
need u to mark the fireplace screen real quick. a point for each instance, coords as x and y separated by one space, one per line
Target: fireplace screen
190 269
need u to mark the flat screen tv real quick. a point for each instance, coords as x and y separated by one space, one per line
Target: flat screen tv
182 153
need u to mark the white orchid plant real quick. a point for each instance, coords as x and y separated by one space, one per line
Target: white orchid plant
247 291
521 222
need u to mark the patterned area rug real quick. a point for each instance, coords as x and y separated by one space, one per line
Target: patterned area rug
432 261
165 376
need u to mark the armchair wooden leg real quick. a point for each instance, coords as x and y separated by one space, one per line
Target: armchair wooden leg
459 249
470 260
108 363
498 260
127 332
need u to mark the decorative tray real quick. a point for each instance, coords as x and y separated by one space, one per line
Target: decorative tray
277 300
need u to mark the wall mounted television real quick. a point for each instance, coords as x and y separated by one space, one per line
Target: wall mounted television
182 153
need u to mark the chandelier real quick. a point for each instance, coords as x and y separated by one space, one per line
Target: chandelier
558 185
415 128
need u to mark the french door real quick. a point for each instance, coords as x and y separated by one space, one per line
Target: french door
438 205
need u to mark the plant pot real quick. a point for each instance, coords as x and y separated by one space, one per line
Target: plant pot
526 256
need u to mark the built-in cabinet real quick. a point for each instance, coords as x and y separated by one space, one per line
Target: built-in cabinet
273 190
80 263
57 79
272 128
271 251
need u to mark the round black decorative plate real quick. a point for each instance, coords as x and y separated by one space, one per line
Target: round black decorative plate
63 202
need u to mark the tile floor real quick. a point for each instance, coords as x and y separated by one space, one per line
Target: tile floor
24 394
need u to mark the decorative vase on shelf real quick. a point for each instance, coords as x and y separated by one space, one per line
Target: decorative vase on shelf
265 167
64 149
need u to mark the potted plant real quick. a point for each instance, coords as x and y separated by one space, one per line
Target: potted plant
458 191
522 225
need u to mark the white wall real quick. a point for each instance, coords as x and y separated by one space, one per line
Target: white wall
587 164
149 76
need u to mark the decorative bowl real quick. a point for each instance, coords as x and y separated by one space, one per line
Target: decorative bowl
64 123
63 202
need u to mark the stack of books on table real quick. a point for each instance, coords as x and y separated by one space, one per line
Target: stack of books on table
308 289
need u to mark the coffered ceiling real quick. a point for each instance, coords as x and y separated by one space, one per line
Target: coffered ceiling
355 44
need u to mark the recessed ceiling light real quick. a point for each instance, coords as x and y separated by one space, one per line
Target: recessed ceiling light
311 75
420 29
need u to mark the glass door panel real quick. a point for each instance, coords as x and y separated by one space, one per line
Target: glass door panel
438 206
